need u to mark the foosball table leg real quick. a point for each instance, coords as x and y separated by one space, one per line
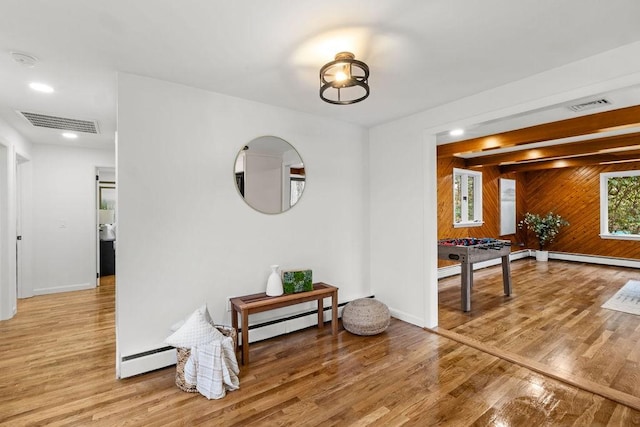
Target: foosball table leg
465 288
506 275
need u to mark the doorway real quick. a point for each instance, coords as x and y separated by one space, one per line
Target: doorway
106 203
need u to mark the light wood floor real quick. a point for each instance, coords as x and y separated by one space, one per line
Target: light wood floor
57 368
553 318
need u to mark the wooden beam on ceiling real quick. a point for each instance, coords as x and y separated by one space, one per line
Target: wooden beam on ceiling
632 155
561 150
583 125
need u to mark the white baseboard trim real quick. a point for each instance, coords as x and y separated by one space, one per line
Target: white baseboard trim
141 363
594 259
66 288
151 362
453 270
163 358
400 315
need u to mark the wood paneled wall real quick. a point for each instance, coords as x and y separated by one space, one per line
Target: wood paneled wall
490 204
573 193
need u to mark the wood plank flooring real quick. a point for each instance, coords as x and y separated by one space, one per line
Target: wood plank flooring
553 318
57 368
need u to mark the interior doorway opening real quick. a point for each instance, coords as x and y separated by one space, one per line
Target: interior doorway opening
106 224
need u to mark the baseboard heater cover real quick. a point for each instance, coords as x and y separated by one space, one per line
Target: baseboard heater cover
294 316
453 270
594 259
147 353
146 361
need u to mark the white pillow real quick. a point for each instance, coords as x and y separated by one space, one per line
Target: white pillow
195 331
205 312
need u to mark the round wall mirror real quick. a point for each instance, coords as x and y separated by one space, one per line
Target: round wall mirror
269 174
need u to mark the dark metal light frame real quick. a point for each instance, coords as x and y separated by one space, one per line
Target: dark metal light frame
357 74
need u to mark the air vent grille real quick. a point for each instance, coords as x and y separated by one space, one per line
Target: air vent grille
590 105
62 123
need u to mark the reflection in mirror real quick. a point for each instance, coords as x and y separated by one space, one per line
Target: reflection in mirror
270 174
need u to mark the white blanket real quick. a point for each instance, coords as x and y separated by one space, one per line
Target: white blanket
213 368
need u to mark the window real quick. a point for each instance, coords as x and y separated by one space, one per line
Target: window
620 205
467 198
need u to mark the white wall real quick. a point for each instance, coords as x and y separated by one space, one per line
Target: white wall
64 216
185 237
12 145
10 137
403 176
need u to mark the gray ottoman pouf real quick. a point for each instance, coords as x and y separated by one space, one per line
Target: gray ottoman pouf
365 316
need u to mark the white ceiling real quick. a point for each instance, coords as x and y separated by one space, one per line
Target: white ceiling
421 53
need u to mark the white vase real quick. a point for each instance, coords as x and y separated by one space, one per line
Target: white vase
542 255
274 283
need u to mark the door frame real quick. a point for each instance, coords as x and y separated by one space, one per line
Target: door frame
24 287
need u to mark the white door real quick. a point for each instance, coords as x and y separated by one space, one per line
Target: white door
19 256
23 241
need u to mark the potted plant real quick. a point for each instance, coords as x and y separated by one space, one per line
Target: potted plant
545 227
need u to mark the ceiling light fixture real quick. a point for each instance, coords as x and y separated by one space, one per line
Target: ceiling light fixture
457 132
70 135
344 81
41 87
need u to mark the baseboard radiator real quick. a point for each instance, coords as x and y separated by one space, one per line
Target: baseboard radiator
564 256
162 357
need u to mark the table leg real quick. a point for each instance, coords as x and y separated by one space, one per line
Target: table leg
245 337
234 323
466 280
320 313
334 313
506 275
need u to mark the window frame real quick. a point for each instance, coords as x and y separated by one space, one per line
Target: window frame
477 198
604 205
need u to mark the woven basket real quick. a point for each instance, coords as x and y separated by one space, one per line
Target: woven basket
184 353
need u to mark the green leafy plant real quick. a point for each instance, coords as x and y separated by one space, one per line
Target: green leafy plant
624 204
545 227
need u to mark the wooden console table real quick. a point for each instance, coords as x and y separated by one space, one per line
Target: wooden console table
257 303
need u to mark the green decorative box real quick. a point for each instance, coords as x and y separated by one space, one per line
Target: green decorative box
297 281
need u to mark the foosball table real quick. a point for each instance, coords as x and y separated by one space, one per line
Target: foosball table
469 250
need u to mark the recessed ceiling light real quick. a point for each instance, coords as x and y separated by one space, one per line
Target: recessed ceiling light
457 132
70 135
41 87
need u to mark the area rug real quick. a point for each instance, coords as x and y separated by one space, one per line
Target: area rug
626 299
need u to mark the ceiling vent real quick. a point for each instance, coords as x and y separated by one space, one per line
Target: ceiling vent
589 105
62 123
